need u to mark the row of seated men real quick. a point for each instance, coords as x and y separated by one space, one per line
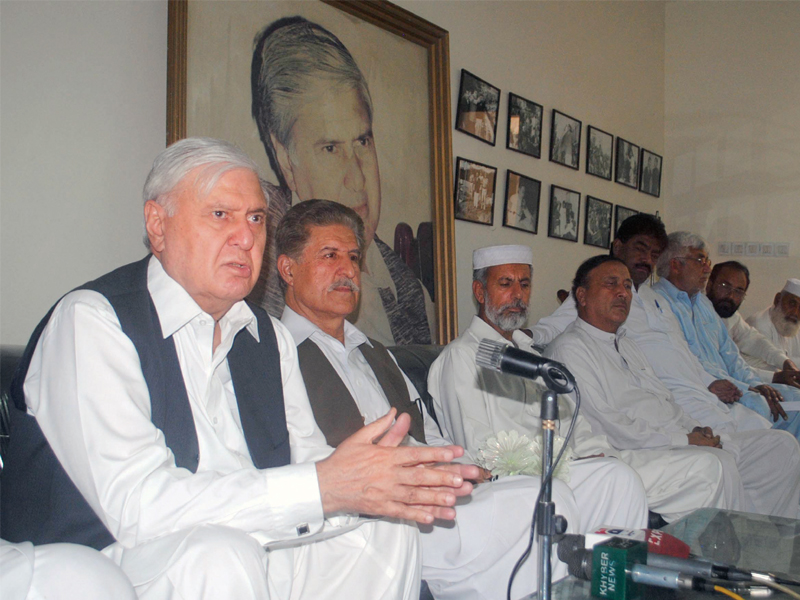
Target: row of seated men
208 450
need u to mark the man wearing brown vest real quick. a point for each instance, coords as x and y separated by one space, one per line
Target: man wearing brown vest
352 380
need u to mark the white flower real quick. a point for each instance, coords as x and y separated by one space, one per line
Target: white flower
510 453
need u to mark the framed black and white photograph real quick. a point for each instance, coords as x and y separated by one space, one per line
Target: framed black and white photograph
597 226
522 202
622 213
478 102
627 164
650 179
474 191
524 126
599 151
565 140
565 208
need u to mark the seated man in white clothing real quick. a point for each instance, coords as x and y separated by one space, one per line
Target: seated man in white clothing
474 404
710 400
352 380
167 421
726 288
679 460
781 321
684 268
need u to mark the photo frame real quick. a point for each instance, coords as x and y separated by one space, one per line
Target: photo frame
620 214
597 222
650 173
478 105
387 42
626 170
565 206
521 209
565 140
474 192
524 126
599 152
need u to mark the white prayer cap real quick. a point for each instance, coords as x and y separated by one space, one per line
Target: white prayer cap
492 256
792 286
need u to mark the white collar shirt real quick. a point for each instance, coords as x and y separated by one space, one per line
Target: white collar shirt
474 403
758 351
621 395
355 372
86 389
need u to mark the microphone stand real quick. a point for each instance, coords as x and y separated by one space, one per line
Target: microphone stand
548 524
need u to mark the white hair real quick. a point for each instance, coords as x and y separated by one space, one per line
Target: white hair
184 156
678 243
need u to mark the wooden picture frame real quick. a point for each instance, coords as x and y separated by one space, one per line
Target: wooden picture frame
626 169
521 210
524 132
565 140
478 107
473 193
565 214
650 173
599 152
597 222
378 26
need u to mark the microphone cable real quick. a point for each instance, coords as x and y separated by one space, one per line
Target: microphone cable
546 479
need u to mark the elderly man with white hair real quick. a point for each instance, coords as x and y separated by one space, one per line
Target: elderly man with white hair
475 404
684 268
780 323
161 418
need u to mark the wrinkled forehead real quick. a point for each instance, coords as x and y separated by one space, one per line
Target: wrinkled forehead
789 300
512 271
611 269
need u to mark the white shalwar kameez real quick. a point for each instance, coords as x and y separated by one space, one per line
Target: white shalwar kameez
473 558
473 404
658 334
623 399
763 323
758 351
201 535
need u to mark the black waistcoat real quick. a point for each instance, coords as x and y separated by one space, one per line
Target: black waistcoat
40 502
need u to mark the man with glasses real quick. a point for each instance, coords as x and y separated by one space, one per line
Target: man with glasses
726 289
684 268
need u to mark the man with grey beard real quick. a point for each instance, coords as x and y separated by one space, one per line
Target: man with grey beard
475 404
780 323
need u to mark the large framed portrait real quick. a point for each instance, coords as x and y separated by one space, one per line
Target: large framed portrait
349 87
522 202
627 164
599 150
622 213
524 126
650 178
478 104
474 191
565 206
597 224
565 140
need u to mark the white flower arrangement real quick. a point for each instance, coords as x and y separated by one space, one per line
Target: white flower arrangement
510 453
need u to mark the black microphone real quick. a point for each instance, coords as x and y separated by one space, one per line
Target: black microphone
502 357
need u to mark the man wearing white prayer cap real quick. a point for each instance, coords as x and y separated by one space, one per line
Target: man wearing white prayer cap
780 323
476 404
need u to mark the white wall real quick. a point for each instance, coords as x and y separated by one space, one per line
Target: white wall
82 112
599 62
732 131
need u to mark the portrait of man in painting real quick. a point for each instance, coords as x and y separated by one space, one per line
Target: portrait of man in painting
315 115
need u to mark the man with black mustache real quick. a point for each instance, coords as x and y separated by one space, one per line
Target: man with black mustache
639 242
726 288
684 465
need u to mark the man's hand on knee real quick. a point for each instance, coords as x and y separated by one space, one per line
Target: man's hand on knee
370 473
